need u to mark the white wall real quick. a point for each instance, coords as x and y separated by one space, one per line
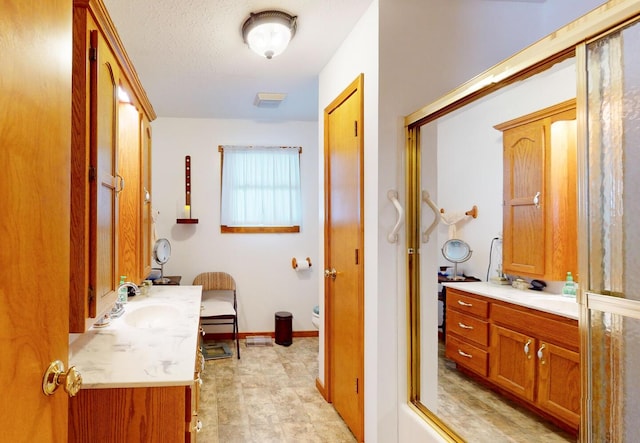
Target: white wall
260 263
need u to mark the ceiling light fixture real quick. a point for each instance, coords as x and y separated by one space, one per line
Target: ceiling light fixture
269 32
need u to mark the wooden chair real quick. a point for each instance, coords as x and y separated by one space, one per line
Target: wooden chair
219 301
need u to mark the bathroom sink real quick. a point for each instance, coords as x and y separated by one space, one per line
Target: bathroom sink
152 316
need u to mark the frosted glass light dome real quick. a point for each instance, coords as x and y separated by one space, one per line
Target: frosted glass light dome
268 33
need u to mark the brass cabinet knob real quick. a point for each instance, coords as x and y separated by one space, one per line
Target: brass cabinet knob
55 376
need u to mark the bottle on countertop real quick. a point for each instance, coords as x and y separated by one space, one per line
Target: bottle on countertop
570 288
123 291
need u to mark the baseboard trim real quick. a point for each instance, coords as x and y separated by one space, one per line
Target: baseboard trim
242 335
322 390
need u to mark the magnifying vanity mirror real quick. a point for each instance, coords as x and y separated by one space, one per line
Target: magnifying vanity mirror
161 255
456 251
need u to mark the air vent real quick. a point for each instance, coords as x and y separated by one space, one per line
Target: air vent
269 99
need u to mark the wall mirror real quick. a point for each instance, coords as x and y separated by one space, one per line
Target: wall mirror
543 75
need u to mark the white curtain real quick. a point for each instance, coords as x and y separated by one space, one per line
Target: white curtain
260 186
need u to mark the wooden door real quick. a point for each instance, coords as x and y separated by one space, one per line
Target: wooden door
35 123
130 198
524 216
103 276
559 382
513 366
147 216
344 237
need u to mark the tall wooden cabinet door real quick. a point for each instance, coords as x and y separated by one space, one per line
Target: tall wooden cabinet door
559 382
130 194
103 147
523 213
513 365
147 215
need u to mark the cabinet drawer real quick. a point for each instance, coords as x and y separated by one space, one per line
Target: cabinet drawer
467 355
558 330
468 327
465 302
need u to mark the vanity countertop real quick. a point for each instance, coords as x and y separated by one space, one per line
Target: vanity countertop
540 300
153 343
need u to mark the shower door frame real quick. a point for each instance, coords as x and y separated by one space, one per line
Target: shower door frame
567 42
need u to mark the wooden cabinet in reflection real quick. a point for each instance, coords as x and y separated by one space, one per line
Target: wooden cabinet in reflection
528 355
539 202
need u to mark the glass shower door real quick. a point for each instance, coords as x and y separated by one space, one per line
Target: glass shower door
610 230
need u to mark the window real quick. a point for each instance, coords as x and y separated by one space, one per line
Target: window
260 189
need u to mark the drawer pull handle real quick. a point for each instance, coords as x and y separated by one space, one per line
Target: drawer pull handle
464 354
541 355
461 303
463 326
526 349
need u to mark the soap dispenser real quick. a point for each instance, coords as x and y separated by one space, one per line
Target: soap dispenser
569 289
122 291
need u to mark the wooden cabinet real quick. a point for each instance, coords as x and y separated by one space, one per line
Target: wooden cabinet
559 382
467 338
100 68
512 364
153 414
535 356
146 237
138 414
539 204
532 355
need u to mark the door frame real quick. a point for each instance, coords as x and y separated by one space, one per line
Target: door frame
357 85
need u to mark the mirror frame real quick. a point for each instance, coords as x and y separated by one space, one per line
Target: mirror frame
162 244
455 243
567 42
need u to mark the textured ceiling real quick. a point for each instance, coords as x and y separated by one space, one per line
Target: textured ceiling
193 63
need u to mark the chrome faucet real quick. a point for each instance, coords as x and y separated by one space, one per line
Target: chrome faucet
118 308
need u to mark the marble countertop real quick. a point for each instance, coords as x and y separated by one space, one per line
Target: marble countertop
153 343
540 300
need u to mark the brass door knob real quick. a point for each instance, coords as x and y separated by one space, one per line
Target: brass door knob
55 376
330 273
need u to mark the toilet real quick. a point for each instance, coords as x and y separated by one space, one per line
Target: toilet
315 317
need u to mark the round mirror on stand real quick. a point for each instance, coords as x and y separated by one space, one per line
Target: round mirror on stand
161 254
456 251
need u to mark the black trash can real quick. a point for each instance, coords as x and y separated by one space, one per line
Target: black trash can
284 330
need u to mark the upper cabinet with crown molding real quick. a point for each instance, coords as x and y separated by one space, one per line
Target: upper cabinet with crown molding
110 155
540 206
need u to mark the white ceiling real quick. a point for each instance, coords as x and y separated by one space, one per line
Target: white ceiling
193 63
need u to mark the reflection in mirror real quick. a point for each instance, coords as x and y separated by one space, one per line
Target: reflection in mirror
462 164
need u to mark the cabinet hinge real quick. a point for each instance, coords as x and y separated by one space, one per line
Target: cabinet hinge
90 295
92 173
356 385
357 257
355 127
93 54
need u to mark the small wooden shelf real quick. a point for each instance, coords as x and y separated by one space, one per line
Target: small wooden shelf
187 221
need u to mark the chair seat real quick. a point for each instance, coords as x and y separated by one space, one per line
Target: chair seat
216 303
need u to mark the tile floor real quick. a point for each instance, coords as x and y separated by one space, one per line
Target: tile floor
269 395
